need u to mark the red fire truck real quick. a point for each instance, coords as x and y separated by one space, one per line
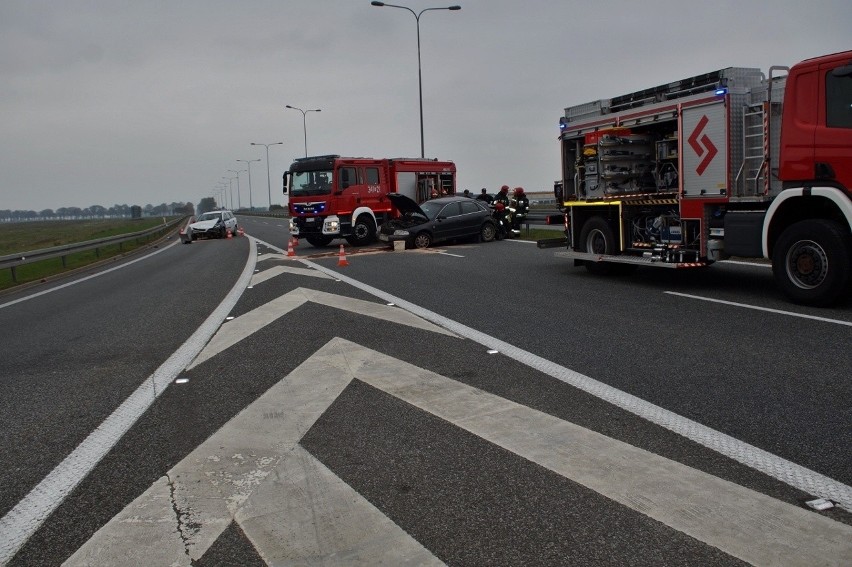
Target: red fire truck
729 163
346 197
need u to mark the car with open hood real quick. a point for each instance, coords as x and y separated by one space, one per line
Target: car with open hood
213 224
437 220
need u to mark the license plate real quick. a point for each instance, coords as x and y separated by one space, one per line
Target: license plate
310 219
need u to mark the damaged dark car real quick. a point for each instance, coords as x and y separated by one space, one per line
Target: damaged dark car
438 220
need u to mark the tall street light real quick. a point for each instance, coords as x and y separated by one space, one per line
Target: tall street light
239 203
248 168
268 185
304 122
230 189
419 71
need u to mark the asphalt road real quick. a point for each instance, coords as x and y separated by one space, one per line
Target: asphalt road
774 377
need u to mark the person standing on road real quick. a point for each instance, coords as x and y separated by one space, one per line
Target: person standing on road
522 209
502 196
484 196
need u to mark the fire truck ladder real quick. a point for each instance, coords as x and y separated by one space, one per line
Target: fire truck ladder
755 157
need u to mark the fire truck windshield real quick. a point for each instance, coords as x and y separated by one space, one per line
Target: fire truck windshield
311 182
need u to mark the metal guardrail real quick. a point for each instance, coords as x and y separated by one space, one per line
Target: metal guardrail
12 261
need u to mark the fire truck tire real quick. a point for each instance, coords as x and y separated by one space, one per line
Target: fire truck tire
363 231
598 237
812 262
319 241
423 240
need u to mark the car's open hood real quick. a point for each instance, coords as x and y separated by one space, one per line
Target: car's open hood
405 205
205 224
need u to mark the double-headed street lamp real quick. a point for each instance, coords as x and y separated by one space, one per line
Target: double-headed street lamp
268 185
248 168
419 72
304 123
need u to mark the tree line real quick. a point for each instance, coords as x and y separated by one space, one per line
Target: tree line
96 212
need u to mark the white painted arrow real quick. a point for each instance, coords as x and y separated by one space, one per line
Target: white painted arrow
241 327
294 510
274 271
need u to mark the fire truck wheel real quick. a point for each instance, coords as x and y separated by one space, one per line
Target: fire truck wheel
363 231
812 261
319 241
597 237
422 240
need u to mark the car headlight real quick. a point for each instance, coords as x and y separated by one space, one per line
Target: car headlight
400 232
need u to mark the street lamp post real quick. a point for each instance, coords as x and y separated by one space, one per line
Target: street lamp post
419 71
268 184
304 123
239 203
248 168
230 190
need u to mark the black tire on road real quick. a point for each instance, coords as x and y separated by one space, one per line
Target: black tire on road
812 261
363 231
319 241
597 237
423 240
488 232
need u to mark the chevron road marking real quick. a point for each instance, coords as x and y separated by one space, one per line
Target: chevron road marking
251 322
294 510
278 270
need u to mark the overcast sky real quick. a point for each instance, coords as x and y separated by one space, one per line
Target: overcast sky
137 102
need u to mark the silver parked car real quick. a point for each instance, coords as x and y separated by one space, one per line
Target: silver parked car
213 224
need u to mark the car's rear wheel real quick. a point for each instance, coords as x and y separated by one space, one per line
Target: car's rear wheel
422 240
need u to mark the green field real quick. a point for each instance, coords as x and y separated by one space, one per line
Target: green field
20 238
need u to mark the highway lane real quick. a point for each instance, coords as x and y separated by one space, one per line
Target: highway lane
768 377
70 357
501 301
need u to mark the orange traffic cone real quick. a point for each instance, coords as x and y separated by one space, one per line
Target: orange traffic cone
295 242
342 261
290 251
230 234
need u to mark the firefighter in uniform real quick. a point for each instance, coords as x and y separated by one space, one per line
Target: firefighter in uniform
522 208
501 212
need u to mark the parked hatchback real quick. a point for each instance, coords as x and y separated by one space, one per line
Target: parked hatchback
437 220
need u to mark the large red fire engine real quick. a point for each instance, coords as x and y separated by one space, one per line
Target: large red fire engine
344 197
729 163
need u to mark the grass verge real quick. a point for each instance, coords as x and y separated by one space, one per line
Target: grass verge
20 238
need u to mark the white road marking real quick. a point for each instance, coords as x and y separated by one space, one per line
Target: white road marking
251 322
18 525
292 508
442 253
278 270
81 280
777 467
767 309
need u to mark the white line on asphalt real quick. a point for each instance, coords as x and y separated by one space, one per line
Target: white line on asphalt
453 255
20 523
741 263
767 309
75 282
777 467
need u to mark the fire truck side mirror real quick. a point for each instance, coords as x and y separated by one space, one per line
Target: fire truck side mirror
284 187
